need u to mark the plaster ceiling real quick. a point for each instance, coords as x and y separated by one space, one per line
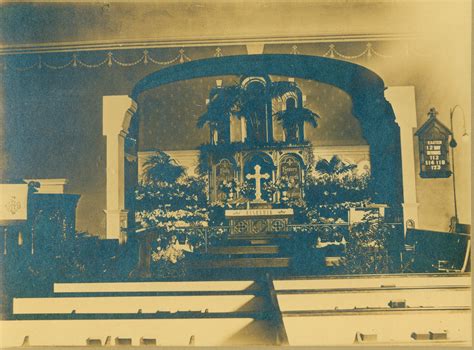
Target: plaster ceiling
178 22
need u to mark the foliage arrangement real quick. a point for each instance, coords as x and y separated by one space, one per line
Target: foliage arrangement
238 193
292 119
160 168
335 187
234 100
229 189
208 152
170 201
223 101
173 251
167 200
369 247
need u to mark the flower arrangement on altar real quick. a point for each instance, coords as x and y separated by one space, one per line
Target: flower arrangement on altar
246 189
269 189
229 188
280 186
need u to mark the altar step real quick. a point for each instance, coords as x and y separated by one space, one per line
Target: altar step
257 251
264 236
245 249
219 262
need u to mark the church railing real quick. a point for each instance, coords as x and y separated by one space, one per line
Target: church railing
296 227
202 237
209 236
306 227
325 231
335 232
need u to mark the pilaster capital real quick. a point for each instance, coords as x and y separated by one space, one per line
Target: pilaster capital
402 99
117 112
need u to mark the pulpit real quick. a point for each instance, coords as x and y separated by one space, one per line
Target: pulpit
39 218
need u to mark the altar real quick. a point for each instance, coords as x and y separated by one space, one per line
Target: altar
258 221
257 151
263 218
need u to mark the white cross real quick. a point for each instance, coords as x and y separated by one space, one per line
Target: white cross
258 177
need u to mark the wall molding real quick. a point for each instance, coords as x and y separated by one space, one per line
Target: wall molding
74 60
79 46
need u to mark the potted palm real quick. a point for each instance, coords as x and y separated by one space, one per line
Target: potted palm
292 120
223 102
334 166
161 168
280 88
234 100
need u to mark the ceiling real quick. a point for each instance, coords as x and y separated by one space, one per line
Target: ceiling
88 26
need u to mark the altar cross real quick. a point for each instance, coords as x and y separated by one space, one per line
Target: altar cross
258 177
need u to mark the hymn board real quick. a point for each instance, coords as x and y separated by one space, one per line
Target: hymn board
433 139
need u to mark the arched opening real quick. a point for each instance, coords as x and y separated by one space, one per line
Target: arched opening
290 103
364 86
257 128
369 107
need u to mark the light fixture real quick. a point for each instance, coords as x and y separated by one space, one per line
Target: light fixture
465 135
453 144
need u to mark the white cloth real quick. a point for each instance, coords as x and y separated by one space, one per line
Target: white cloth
321 244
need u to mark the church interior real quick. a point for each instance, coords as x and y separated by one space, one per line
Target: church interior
290 173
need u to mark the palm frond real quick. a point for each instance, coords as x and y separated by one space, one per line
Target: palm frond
334 166
309 116
221 104
162 168
323 166
279 88
291 117
206 118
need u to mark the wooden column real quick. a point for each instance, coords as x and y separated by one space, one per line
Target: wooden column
117 113
402 99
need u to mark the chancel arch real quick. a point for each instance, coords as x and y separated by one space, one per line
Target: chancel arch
366 89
